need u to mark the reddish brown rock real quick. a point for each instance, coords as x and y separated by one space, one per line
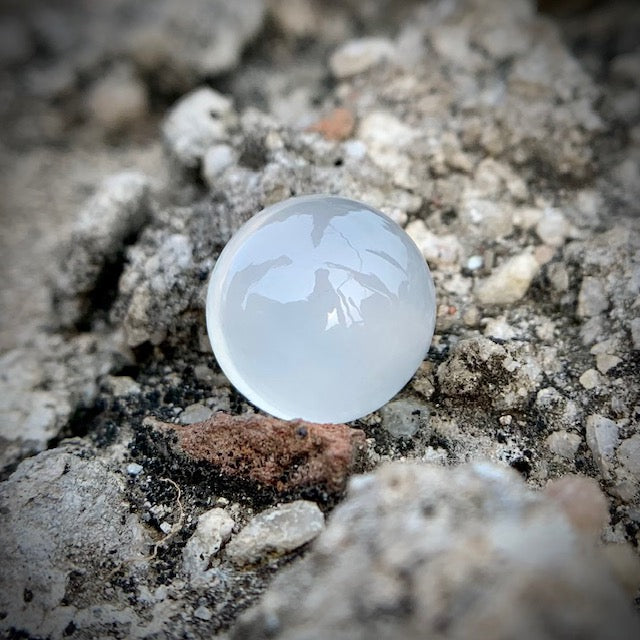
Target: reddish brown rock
338 125
285 456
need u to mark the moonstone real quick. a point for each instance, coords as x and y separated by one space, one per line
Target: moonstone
320 308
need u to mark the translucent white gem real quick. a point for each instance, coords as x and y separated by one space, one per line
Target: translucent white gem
320 308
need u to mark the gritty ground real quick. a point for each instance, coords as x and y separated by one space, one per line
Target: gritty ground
506 142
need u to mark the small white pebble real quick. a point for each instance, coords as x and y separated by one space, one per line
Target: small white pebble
134 469
203 613
474 263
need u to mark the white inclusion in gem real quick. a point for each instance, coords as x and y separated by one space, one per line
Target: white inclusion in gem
332 319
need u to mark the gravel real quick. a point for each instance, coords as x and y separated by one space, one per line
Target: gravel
505 141
276 531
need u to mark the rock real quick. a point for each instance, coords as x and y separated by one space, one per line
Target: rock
203 613
155 301
635 332
602 438
509 282
439 251
605 362
286 456
590 379
195 413
118 101
484 217
563 443
592 299
216 159
416 532
45 384
106 223
474 263
195 123
214 528
66 526
558 276
485 371
629 456
134 469
553 228
498 329
360 55
403 418
423 380
276 531
556 409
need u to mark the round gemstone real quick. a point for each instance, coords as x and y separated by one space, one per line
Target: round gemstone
320 308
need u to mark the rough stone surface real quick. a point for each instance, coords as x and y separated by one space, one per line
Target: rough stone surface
482 370
603 439
110 219
197 121
357 56
66 526
214 528
276 531
455 524
508 283
564 444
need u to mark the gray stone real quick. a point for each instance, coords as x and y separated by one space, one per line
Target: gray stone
44 384
276 531
134 469
635 332
122 385
195 413
196 122
151 281
65 526
357 56
602 438
564 443
215 161
592 299
403 418
629 456
410 533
